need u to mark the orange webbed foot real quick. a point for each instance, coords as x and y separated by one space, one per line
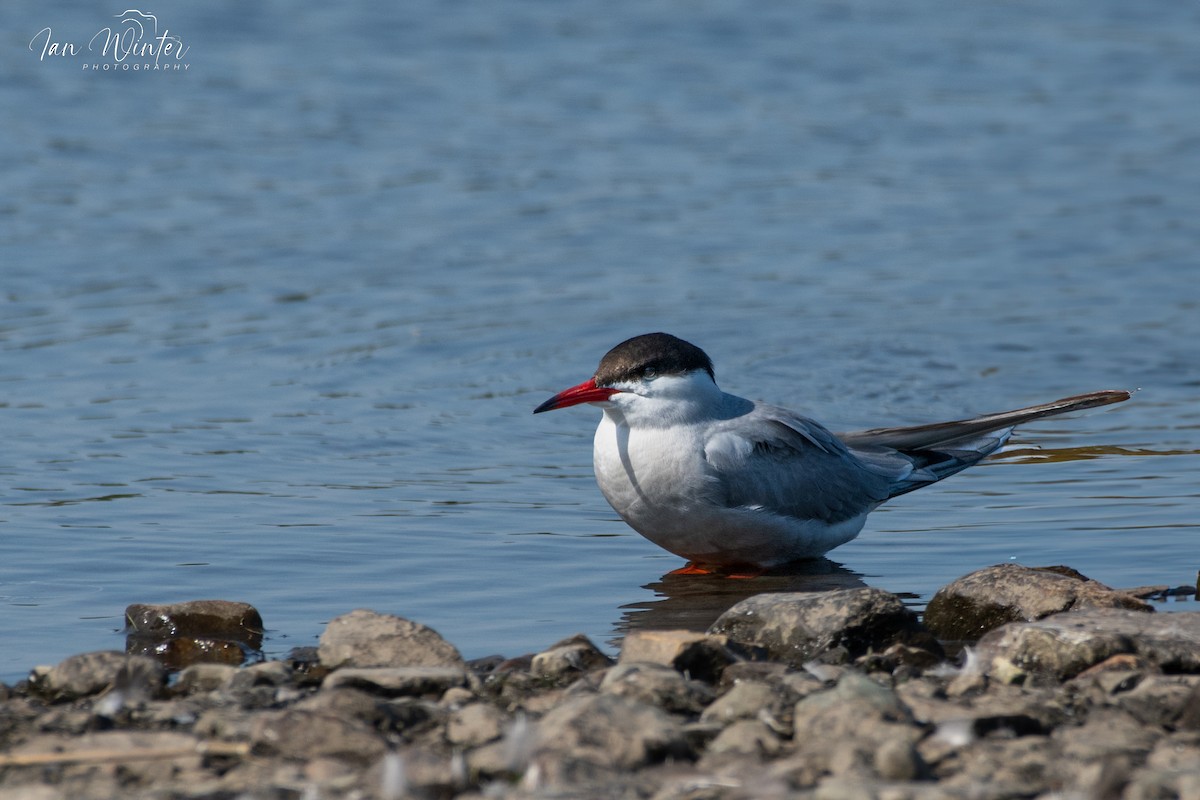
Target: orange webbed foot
741 573
691 568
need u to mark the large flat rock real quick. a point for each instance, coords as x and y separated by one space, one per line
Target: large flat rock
1063 645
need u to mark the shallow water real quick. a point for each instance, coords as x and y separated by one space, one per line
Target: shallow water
271 327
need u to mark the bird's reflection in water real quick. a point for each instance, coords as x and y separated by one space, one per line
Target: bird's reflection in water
693 602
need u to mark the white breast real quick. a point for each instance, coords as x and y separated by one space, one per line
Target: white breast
665 487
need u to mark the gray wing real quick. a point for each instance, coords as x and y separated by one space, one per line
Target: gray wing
774 460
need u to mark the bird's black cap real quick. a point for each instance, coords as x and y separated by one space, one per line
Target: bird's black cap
659 353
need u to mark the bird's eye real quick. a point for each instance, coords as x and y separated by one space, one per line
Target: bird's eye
649 374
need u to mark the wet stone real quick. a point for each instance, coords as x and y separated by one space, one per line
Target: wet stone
840 625
216 619
194 632
974 604
180 652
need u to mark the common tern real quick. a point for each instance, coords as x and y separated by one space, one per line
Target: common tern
726 482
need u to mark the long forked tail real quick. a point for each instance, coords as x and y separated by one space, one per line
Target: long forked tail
941 449
942 434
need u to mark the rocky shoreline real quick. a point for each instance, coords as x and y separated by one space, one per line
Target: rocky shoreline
1058 687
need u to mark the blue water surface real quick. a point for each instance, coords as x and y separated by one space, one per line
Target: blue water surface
272 324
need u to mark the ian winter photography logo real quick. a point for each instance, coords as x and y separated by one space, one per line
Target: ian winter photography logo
132 44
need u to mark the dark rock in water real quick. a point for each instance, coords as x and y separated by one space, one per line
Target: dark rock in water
571 656
216 619
969 607
92 673
1064 645
836 626
180 652
194 632
365 638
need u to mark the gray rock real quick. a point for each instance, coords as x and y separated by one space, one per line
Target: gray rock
456 697
898 760
1159 784
745 700
1176 751
475 724
1170 701
1000 768
267 673
365 638
1063 645
846 709
699 655
840 732
205 678
610 731
1105 734
745 737
839 625
1003 711
397 681
570 657
304 735
969 607
1127 727
117 774
405 715
91 673
657 685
